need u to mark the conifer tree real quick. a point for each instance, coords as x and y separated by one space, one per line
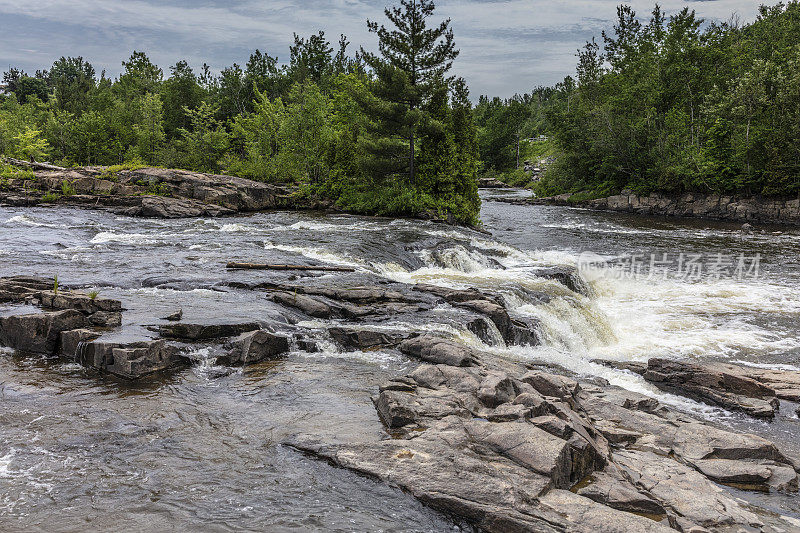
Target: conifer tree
412 59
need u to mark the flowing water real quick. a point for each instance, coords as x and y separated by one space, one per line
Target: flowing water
200 449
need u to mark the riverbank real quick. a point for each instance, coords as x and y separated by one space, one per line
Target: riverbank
149 191
735 208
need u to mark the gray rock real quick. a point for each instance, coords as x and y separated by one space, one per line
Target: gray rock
685 491
613 490
309 305
129 361
715 386
526 445
253 347
399 408
567 276
364 339
201 332
436 350
552 385
105 319
498 495
71 340
38 333
78 301
496 388
748 475
20 288
174 317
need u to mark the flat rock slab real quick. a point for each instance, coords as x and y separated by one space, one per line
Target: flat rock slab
714 385
203 332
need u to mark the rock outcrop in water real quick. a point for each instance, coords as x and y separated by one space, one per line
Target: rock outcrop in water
513 449
74 323
502 445
151 192
752 390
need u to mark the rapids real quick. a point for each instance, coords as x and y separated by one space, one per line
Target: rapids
200 448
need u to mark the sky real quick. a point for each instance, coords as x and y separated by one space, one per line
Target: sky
507 47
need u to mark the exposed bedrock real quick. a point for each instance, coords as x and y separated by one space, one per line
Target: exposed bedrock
153 192
526 450
752 390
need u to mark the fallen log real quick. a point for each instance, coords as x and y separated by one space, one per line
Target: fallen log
262 266
33 165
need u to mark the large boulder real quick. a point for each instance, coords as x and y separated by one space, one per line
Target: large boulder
38 333
129 360
253 347
433 349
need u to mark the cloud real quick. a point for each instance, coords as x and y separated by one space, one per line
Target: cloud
507 46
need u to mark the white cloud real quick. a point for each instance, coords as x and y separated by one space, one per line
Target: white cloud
507 46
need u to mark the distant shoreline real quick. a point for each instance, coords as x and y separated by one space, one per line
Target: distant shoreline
734 208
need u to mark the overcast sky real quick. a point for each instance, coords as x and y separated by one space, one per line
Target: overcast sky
506 46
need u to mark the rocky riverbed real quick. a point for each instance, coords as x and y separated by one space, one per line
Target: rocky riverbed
433 383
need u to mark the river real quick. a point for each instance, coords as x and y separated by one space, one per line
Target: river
199 449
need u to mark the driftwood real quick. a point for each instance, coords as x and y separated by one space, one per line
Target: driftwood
33 165
261 266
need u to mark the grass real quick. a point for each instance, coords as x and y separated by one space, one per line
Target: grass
110 173
50 197
93 295
55 284
66 188
9 172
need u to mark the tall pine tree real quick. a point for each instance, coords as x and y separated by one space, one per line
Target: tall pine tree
412 60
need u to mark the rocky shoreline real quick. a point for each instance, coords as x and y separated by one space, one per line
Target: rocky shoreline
501 445
733 208
149 192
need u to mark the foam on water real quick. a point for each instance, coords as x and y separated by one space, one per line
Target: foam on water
316 253
25 220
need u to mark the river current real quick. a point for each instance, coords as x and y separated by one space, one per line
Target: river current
199 449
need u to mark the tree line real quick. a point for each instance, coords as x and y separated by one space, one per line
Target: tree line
667 104
383 133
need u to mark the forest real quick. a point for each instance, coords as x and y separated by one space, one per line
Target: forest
667 103
387 133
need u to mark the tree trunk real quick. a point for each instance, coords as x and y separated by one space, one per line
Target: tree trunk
412 170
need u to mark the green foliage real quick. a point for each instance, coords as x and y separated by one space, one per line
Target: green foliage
50 197
67 189
29 145
93 295
679 105
9 172
382 133
203 145
55 284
